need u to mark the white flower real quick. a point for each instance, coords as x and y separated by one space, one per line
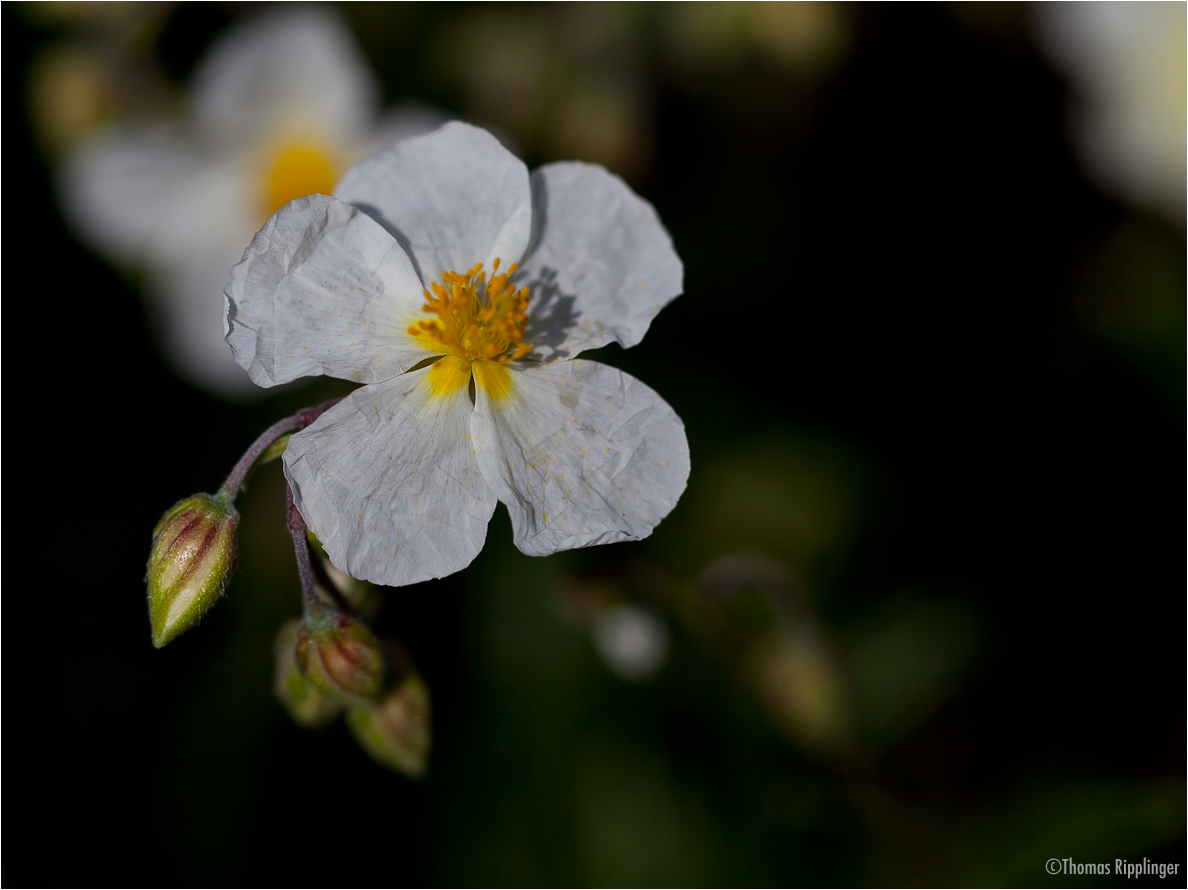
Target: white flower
278 108
1127 66
400 479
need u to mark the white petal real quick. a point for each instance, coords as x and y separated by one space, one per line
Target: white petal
387 481
323 289
139 194
186 306
291 68
581 453
601 265
453 198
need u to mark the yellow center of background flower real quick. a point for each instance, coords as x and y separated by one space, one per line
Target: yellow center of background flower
297 170
479 327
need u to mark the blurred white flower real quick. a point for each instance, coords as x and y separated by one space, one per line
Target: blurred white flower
278 108
632 642
1127 64
472 393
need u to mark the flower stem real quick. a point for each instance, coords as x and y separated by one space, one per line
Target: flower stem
269 447
309 593
309 569
240 471
247 463
323 581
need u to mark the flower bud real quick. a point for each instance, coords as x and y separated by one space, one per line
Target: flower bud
396 732
307 706
340 657
191 561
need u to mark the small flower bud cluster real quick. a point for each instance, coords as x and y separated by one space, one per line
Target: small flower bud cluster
327 662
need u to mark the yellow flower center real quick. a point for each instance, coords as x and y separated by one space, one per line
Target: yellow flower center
475 319
297 170
477 324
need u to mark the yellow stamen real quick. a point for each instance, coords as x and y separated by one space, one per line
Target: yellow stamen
476 320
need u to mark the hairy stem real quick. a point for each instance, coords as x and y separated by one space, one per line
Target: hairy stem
309 565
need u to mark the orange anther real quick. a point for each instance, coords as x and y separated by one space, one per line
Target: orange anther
476 319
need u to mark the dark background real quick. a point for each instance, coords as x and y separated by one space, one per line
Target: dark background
891 271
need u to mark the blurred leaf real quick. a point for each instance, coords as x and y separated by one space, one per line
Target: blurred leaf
907 662
638 827
793 497
1133 299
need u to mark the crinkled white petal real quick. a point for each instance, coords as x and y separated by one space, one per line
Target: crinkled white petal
453 198
601 265
292 69
388 482
581 453
323 289
138 194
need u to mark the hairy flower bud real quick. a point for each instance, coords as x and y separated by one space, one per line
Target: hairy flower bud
307 706
340 657
396 732
192 558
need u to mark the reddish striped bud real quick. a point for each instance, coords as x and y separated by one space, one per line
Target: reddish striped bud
340 657
307 706
191 561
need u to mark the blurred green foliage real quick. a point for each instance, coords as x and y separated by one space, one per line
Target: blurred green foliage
1132 297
